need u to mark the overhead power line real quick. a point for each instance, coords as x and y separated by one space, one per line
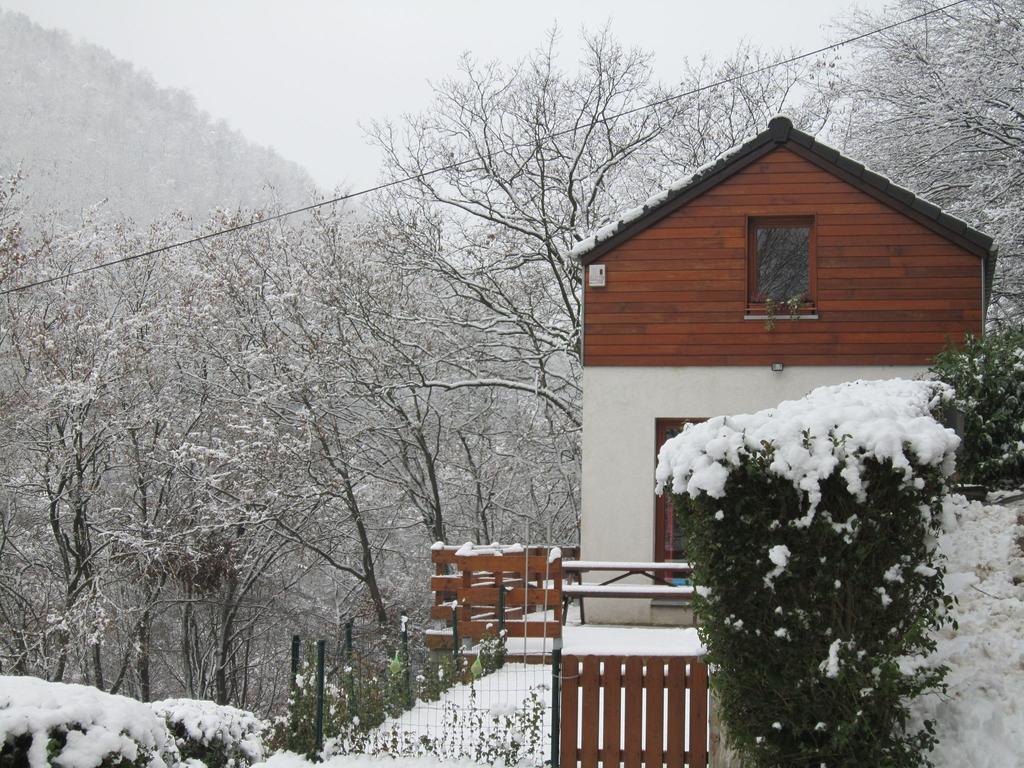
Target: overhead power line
458 164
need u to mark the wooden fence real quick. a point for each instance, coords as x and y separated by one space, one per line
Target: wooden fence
633 711
518 589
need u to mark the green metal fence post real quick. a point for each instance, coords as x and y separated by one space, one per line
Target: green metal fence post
348 675
296 642
406 660
455 632
321 649
556 699
501 610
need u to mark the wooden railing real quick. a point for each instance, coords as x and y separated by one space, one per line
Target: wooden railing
488 589
633 711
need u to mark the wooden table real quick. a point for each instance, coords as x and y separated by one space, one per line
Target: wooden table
660 587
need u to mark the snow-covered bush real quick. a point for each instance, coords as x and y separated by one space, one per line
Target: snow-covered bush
812 529
360 696
440 673
492 651
219 736
76 726
295 731
988 377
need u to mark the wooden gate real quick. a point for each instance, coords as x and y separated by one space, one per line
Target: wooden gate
633 711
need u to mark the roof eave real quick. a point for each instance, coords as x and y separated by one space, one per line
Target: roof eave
740 159
781 132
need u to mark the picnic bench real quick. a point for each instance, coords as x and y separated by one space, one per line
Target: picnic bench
659 587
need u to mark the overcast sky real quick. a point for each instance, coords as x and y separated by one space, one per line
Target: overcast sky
301 75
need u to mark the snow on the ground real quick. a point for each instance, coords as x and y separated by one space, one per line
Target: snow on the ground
597 639
980 719
291 760
501 693
208 723
610 640
98 724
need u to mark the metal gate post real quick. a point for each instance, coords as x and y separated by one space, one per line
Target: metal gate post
556 699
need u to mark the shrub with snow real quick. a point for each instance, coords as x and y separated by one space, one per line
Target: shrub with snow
812 530
218 735
76 726
988 377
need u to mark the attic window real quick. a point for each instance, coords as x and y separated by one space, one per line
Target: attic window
780 262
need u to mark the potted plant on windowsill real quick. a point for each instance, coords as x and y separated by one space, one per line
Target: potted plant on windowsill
772 309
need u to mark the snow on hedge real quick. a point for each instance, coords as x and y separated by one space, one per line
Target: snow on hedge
980 718
97 725
204 725
836 427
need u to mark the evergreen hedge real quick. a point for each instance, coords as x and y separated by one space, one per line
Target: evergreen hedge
988 377
811 532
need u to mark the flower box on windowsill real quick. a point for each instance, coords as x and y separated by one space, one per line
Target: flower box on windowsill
807 311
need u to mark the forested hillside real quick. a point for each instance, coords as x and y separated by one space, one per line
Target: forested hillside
86 127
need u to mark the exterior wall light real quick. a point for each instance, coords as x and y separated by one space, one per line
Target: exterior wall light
777 367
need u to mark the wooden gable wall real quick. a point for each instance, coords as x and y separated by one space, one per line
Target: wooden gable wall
889 290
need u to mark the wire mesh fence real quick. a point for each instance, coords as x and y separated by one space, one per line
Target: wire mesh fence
466 703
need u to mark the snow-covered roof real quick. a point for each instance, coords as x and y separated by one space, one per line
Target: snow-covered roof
780 131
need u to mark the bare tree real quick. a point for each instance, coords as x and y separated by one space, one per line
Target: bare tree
937 105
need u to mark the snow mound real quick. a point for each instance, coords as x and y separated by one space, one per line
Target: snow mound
980 718
292 760
94 725
203 726
835 428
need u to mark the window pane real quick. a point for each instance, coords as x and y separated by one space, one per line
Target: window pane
783 254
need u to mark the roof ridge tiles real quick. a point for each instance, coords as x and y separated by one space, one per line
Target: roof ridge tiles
780 131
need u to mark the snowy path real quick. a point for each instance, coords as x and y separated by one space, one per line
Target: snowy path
980 720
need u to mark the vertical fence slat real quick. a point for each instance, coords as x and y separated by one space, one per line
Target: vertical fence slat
590 679
698 680
611 683
676 720
570 710
633 738
654 690
554 599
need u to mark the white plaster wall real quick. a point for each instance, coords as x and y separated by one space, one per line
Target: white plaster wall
620 406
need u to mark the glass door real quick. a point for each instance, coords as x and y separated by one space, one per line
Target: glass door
668 539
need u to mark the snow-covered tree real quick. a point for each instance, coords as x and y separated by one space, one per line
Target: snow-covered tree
938 105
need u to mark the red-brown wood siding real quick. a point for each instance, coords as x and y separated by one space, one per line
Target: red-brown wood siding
889 291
